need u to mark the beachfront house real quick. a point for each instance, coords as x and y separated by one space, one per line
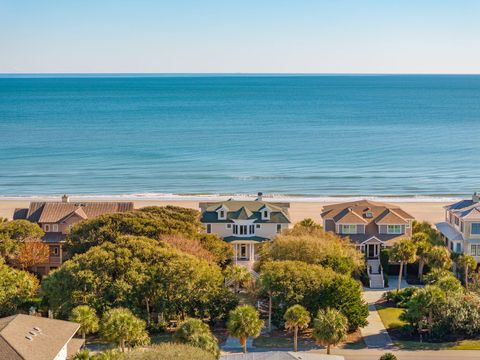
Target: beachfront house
25 337
245 224
371 226
461 228
56 219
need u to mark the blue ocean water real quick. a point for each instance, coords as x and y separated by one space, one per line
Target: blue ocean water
291 135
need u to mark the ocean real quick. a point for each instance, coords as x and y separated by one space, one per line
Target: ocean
157 136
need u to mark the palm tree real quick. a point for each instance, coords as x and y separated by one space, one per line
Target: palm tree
422 241
403 252
296 317
330 327
87 318
439 258
238 275
466 262
243 322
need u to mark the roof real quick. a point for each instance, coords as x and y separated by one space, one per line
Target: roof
449 231
388 239
55 212
351 212
466 209
245 210
24 337
245 238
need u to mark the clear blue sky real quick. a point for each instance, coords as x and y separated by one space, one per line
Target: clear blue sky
312 36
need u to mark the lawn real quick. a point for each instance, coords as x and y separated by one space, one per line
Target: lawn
390 318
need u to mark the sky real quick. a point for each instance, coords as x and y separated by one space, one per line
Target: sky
240 36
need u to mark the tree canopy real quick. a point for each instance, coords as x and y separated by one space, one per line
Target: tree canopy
13 233
330 327
141 274
244 322
87 318
296 318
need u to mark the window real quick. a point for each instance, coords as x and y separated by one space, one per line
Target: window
258 226
265 214
243 251
252 229
55 251
457 221
394 229
461 226
55 228
229 226
222 214
476 228
47 227
209 228
243 229
475 250
279 228
349 229
458 247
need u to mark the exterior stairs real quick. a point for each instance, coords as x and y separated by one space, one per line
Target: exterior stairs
375 274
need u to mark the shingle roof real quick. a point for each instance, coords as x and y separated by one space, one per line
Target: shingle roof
245 210
390 216
54 212
24 337
361 208
249 238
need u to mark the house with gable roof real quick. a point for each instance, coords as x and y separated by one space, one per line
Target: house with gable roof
56 219
461 228
245 224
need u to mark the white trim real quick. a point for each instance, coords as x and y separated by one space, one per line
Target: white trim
373 237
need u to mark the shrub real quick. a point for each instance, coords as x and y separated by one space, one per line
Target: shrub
388 356
169 351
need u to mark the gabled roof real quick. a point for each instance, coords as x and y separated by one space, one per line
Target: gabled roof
55 212
245 210
368 211
471 214
24 337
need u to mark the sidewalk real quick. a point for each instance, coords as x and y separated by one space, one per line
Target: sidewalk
374 334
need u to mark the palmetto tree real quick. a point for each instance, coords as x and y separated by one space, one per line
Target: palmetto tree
87 318
330 327
244 322
466 262
296 317
238 275
403 252
422 241
439 258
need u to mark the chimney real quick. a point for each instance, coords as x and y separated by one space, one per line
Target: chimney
65 198
476 197
259 196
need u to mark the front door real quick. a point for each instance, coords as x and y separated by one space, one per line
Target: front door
371 250
243 252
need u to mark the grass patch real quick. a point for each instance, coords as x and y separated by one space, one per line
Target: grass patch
390 316
457 345
161 338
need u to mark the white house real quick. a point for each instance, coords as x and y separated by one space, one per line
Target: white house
245 224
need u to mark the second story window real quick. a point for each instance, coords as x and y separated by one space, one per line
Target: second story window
394 229
279 228
348 229
243 229
55 227
475 250
475 229
222 214
47 227
209 228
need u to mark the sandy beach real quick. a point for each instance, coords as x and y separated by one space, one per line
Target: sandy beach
423 211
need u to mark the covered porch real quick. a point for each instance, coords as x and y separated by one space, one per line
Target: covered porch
372 247
245 250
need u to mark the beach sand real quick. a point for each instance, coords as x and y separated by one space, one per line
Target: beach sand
423 211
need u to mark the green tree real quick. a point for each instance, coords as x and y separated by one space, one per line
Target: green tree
296 318
403 252
13 233
388 356
121 327
244 322
466 263
17 288
427 228
196 333
439 257
329 327
237 275
168 351
308 225
87 318
422 242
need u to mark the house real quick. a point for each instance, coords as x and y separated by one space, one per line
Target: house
57 217
245 224
461 228
25 337
370 225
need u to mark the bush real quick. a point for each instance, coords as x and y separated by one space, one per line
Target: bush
401 297
169 351
388 356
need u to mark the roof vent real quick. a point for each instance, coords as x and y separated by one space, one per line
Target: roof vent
260 196
368 215
37 329
29 338
33 333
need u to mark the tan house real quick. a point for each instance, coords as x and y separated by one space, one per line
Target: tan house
56 219
25 337
461 228
371 226
245 224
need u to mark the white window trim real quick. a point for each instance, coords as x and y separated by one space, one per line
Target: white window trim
471 229
350 226
394 232
55 227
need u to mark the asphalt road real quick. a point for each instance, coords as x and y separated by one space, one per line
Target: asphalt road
373 354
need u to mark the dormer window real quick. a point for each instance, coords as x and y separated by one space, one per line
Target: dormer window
265 213
222 213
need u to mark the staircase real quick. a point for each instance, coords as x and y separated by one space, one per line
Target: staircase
375 274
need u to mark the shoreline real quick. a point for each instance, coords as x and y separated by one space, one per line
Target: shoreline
423 210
